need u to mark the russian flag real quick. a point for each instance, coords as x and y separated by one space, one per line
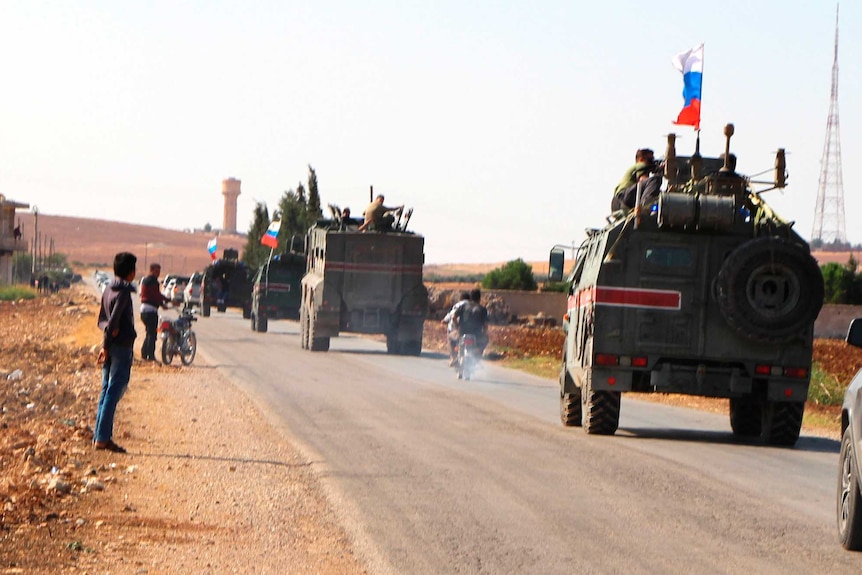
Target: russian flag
690 63
270 238
211 247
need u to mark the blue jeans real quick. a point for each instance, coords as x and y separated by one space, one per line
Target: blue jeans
115 379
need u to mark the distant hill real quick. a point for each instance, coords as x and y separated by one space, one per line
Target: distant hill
94 242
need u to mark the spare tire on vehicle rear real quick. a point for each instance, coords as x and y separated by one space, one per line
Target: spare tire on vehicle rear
770 289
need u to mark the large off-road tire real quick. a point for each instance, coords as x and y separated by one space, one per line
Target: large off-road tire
205 309
411 347
303 327
316 343
189 349
221 308
393 344
746 416
570 403
262 323
770 289
167 351
600 410
782 421
849 496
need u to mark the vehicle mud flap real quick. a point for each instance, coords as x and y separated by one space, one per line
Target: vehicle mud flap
746 416
782 421
600 410
205 309
770 289
316 343
570 401
393 345
303 327
246 312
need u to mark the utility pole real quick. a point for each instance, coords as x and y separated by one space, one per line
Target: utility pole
829 211
35 235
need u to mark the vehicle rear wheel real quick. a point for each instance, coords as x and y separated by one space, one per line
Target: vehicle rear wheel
167 351
221 308
262 324
189 349
600 410
303 328
782 421
205 309
246 312
770 289
316 343
849 497
411 347
393 345
570 403
746 415
253 322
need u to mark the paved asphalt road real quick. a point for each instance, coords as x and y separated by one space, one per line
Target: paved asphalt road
434 475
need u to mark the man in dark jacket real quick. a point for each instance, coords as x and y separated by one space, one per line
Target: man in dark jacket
151 300
473 319
117 322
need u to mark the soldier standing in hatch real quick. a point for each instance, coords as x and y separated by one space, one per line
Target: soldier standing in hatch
378 216
644 164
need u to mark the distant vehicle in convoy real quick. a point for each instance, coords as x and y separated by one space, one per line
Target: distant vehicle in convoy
849 466
277 290
705 292
192 291
365 283
225 284
174 289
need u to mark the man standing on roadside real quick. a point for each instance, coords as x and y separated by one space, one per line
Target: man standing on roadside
117 322
151 300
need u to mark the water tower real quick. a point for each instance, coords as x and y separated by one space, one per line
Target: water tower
230 191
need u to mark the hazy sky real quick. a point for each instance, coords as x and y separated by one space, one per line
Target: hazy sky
506 125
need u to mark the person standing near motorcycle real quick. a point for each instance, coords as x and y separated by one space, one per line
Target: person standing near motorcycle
151 300
117 322
452 329
472 319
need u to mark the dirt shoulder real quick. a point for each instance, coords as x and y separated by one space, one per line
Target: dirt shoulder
207 485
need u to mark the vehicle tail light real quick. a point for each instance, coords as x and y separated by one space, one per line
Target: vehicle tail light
607 359
469 340
762 369
639 362
797 372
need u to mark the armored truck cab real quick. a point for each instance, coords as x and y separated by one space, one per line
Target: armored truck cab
226 284
276 290
363 282
705 292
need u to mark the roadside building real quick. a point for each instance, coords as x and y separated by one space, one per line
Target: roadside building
11 239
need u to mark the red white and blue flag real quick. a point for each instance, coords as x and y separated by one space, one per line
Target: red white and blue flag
270 237
690 63
212 246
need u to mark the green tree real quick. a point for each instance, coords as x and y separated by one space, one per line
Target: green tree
837 282
314 212
255 254
293 210
516 274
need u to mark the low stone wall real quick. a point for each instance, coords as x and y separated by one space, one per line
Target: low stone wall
834 319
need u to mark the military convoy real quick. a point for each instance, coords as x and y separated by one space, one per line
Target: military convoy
275 293
707 292
363 282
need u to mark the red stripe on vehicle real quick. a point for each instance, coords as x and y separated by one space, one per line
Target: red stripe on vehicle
626 297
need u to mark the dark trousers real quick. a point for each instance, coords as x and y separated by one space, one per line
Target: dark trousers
151 322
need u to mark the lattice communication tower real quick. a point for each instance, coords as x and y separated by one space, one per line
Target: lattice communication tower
829 212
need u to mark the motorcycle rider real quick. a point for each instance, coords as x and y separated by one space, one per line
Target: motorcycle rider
452 329
151 300
472 319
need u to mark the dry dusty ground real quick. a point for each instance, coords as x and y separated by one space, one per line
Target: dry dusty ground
202 490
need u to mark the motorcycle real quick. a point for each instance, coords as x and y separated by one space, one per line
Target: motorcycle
178 338
468 356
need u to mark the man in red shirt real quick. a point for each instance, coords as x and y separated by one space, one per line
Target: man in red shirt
151 300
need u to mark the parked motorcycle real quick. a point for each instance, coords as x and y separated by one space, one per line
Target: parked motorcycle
178 338
468 356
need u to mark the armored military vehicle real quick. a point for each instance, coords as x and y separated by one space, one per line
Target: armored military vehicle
363 282
276 291
226 284
706 292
